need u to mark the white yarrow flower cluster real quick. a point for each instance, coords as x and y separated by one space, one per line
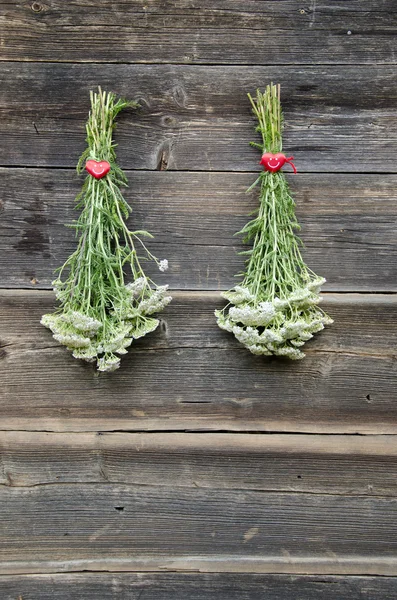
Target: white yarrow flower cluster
278 327
137 287
156 302
163 265
90 339
259 316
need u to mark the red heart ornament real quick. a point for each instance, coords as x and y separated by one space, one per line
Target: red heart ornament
274 162
97 169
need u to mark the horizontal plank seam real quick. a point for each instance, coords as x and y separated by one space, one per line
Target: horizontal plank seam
198 432
172 349
55 574
200 570
310 351
195 486
199 171
316 578
216 294
195 172
203 64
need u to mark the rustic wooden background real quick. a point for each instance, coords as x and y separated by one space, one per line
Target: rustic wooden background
199 471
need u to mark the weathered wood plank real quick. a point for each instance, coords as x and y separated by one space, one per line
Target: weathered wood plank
125 527
199 118
251 32
208 381
317 464
194 586
348 225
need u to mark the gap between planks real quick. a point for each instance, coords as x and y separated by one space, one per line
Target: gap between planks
310 565
364 297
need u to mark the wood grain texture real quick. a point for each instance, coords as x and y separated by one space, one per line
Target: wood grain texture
348 225
128 527
84 486
190 375
252 32
192 586
199 118
316 464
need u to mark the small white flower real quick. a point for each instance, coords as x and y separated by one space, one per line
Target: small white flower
315 284
256 317
51 321
292 353
326 319
270 335
114 343
87 354
137 286
243 314
273 347
315 326
292 330
299 294
108 363
266 311
248 336
238 295
279 304
156 302
163 266
305 336
145 327
82 322
72 341
259 350
120 350
223 322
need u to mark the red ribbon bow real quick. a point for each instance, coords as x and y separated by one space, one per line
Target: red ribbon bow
274 162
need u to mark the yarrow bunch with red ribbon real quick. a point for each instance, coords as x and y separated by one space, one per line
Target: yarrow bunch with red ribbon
274 310
100 314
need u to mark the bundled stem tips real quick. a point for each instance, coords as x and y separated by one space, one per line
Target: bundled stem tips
275 308
100 314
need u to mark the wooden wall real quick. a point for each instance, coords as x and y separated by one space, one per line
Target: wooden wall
198 471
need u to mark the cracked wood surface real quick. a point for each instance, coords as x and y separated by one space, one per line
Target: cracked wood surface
194 586
199 118
232 32
348 226
191 375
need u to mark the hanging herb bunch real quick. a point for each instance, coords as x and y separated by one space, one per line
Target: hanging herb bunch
99 314
274 311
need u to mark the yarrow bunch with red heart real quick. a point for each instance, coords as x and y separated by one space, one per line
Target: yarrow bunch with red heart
106 299
274 310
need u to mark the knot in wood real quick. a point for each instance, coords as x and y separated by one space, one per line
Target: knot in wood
36 7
